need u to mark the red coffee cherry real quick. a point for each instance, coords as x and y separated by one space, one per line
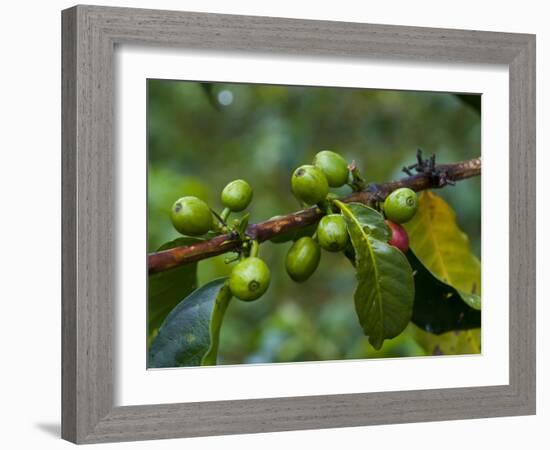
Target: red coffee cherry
399 237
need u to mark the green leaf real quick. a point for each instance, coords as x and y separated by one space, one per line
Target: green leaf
371 220
444 249
385 288
451 343
167 288
190 334
438 307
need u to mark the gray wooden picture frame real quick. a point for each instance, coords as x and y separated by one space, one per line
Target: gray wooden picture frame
90 34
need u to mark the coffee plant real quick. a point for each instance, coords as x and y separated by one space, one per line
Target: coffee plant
412 262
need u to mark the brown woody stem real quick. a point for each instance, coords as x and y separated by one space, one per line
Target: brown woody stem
264 231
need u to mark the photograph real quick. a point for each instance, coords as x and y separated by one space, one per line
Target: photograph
281 223
292 224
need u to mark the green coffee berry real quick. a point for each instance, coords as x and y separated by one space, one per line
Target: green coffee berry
332 233
249 279
309 184
237 195
191 216
302 259
401 205
333 166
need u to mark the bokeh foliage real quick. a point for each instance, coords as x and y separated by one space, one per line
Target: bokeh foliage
203 135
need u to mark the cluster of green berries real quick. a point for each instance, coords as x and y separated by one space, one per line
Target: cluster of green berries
191 216
310 183
250 277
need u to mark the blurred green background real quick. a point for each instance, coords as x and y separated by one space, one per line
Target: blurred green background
203 135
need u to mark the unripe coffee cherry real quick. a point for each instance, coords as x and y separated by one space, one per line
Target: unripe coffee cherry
191 216
302 259
237 195
249 279
309 184
399 237
332 233
333 166
401 205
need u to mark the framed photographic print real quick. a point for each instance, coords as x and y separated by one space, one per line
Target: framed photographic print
304 210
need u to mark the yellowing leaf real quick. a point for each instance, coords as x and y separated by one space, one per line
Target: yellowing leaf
450 343
444 249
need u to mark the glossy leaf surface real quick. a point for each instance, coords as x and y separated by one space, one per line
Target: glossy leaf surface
385 288
190 334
